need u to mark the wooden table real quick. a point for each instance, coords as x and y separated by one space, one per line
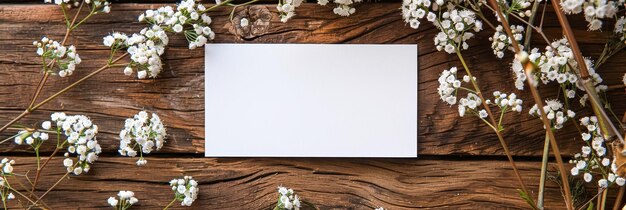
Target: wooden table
461 163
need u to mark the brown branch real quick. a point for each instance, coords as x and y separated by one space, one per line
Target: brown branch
608 129
528 69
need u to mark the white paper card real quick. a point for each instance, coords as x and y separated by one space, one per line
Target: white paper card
310 100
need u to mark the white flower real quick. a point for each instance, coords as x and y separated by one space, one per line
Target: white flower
574 171
126 200
10 196
500 41
81 136
185 189
142 133
555 112
112 201
46 125
587 177
66 57
482 113
620 181
602 183
287 199
6 166
287 9
243 22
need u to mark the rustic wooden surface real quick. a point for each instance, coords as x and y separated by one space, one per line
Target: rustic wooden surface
461 165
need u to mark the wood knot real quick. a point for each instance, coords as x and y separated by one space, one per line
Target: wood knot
250 22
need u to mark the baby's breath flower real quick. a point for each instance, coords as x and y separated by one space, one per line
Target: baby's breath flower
500 41
287 9
455 26
81 140
95 5
146 47
185 190
126 200
555 112
414 10
593 10
287 199
620 30
143 133
6 167
344 7
66 57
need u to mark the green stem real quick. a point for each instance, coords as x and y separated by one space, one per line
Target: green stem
544 170
170 204
531 19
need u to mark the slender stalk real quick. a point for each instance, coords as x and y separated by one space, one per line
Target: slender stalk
608 129
618 199
493 122
76 83
232 12
48 191
170 204
528 69
544 171
531 20
39 169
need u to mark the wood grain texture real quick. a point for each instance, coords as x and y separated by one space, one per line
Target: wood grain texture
177 95
234 183
455 170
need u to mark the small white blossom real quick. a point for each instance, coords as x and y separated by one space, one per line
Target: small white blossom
185 190
287 199
142 134
501 41
287 9
66 57
81 139
126 200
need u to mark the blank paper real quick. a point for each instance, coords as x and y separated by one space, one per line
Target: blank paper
310 100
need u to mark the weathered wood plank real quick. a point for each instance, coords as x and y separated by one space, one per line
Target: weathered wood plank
231 183
177 95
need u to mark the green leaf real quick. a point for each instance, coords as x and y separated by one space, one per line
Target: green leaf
590 207
528 199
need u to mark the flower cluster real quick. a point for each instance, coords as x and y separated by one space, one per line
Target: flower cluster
455 26
185 189
96 5
413 10
287 9
555 112
505 101
34 139
343 6
593 157
66 57
126 199
522 7
6 169
593 10
143 133
620 28
81 136
501 41
448 84
287 199
6 166
146 47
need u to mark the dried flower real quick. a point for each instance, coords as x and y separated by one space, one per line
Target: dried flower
66 57
287 9
555 112
185 190
143 133
126 199
81 140
501 41
287 199
95 5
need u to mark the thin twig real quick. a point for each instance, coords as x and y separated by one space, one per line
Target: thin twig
48 191
544 171
529 69
608 129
